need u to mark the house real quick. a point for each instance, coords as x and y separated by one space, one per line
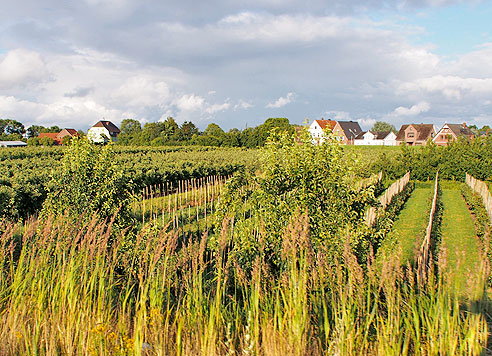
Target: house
12 144
415 134
67 132
103 132
57 137
51 135
452 132
317 129
369 138
346 131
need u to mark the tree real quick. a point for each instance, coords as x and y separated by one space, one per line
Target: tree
130 127
187 130
298 178
170 130
381 126
88 182
46 141
9 127
151 130
281 124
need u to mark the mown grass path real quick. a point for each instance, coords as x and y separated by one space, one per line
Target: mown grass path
459 239
409 227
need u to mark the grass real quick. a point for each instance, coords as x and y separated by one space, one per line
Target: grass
77 290
409 227
459 240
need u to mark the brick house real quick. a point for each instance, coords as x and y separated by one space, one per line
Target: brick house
452 132
415 134
346 131
57 137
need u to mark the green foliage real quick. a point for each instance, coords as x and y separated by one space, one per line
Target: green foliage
87 182
475 204
453 161
381 126
28 169
7 202
297 177
9 127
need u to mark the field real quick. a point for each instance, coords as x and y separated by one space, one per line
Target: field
189 251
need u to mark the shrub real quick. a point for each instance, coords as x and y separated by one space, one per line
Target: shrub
87 182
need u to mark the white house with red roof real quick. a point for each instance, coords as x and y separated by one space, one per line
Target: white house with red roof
317 129
103 131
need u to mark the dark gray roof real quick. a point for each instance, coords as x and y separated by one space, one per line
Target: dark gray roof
350 128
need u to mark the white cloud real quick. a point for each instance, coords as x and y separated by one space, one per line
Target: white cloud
212 109
450 87
413 110
143 90
190 102
338 115
20 67
243 104
282 101
367 122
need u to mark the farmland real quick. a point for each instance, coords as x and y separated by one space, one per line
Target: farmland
191 251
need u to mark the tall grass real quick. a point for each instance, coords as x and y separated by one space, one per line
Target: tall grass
76 289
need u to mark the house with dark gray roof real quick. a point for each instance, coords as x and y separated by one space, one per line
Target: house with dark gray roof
346 131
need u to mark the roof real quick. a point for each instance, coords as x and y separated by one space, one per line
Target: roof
381 135
326 124
350 128
108 125
360 136
460 130
52 135
72 132
377 135
423 130
12 143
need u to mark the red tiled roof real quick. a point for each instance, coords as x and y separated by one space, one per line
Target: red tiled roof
52 135
326 124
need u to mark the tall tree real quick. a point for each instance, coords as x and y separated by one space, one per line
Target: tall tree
381 126
130 127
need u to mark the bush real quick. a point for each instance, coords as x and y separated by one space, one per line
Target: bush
88 182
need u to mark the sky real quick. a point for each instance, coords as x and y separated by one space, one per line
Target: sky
236 63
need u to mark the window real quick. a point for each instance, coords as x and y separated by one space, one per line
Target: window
410 134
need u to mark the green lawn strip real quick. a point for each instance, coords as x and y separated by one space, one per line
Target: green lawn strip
459 239
409 227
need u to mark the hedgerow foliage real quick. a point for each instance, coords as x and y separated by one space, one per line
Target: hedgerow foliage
88 181
453 161
297 176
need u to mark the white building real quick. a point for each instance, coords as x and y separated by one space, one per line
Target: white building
369 138
12 144
103 132
316 129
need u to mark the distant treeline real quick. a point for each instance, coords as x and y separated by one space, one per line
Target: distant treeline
169 133
165 133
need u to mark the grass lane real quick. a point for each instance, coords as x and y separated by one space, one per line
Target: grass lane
409 227
459 240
